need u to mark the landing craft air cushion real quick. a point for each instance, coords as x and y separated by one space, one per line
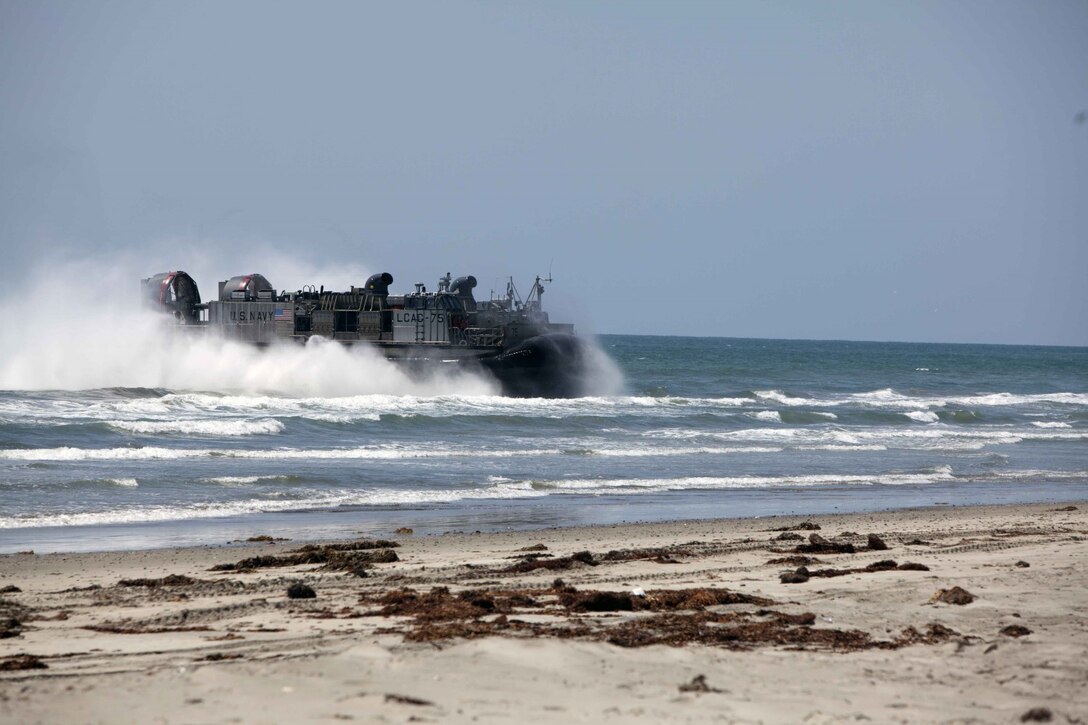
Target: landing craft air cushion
512 340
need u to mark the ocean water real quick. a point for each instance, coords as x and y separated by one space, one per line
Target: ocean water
195 450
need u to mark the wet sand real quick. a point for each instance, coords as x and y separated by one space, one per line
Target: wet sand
976 614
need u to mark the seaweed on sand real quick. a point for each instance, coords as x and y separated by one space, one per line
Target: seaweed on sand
354 556
563 562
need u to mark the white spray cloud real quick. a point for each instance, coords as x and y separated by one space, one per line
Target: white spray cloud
601 375
78 324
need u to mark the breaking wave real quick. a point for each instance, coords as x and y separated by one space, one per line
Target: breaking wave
226 428
324 500
497 488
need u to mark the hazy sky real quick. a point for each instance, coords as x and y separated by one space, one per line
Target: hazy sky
868 170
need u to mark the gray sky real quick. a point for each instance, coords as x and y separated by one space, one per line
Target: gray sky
869 170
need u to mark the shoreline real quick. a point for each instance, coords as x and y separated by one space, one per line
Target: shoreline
535 514
671 620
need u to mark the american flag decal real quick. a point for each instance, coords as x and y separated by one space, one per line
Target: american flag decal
282 313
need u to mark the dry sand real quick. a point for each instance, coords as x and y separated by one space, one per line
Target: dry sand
461 627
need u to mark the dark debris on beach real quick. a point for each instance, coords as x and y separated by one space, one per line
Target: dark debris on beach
172 580
534 560
672 617
955 595
803 573
804 526
354 557
22 662
436 608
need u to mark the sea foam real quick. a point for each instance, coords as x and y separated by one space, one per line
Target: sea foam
208 428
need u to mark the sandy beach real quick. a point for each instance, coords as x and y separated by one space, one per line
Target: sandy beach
939 615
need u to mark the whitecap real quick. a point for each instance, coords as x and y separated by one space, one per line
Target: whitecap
242 480
159 453
845 448
204 428
655 452
281 502
777 396
619 485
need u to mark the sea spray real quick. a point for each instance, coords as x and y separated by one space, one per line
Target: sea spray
97 336
111 348
601 375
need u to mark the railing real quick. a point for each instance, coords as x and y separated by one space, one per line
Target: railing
483 336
